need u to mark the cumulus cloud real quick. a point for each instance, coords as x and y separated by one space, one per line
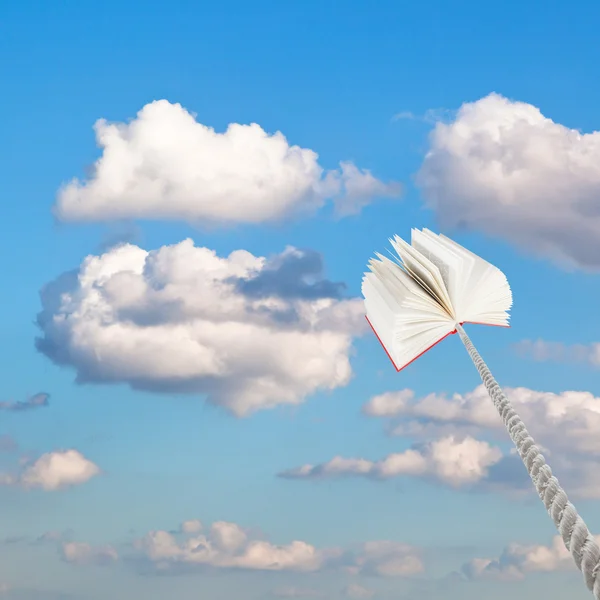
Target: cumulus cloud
36 401
53 471
452 461
503 168
248 332
191 526
227 545
81 553
166 165
566 421
293 274
546 351
517 560
492 569
563 424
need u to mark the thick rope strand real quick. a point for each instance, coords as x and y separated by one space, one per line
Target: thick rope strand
575 534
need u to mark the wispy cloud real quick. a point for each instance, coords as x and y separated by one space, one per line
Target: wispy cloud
546 351
38 400
404 115
454 462
430 116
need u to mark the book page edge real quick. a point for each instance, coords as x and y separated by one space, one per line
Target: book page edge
412 360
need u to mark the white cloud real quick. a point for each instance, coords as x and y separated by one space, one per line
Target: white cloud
165 165
358 187
545 351
191 526
248 332
81 553
568 420
430 116
455 462
564 425
53 471
517 560
387 559
578 474
502 168
487 568
405 115
227 545
355 590
227 537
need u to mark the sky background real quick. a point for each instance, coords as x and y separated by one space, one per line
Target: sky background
124 446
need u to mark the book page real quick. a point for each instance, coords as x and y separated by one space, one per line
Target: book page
488 292
473 276
410 342
424 272
402 287
406 338
457 265
420 243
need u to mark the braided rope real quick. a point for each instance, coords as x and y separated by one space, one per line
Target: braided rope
575 534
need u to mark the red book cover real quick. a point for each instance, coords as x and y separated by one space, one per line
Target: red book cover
398 369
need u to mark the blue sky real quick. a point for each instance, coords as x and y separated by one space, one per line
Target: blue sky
331 77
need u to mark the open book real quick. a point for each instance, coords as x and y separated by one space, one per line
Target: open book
415 299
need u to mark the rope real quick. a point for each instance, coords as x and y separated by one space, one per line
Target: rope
575 534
